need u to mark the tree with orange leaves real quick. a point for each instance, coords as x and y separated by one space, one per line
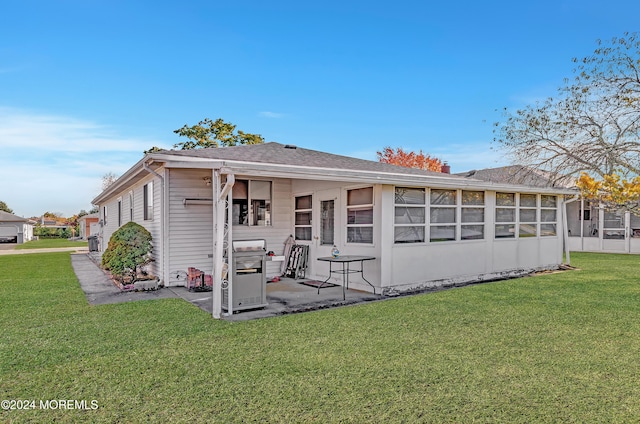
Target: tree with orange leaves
409 159
611 192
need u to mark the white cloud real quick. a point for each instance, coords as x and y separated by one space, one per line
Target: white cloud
55 163
20 129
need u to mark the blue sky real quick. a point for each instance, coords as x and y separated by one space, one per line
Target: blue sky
87 85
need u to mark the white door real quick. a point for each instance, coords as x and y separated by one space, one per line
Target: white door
327 228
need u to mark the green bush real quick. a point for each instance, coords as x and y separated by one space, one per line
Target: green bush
129 249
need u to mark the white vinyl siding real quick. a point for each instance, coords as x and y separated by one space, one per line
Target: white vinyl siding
190 226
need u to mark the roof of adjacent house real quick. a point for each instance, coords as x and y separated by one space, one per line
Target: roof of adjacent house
9 217
522 175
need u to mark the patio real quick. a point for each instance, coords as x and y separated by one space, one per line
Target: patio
287 296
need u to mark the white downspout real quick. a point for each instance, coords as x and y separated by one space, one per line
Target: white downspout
163 218
565 230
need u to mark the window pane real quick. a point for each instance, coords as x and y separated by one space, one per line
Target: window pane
360 216
261 210
528 200
505 215
326 222
410 196
239 190
473 197
547 229
360 234
443 233
360 196
548 215
303 202
528 215
443 215
409 235
472 214
472 232
303 218
260 190
505 199
303 233
443 197
405 215
528 230
505 231
547 201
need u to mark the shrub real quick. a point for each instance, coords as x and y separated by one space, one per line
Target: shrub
129 249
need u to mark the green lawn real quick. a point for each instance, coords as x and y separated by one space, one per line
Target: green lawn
555 348
48 243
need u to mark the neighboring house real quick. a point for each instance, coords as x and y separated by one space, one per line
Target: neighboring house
15 229
425 229
589 227
89 225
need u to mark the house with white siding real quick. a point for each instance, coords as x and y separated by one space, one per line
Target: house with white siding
423 228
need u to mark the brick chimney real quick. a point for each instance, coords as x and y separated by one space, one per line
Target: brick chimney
445 168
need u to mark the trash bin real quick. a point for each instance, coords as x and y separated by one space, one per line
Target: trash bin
93 243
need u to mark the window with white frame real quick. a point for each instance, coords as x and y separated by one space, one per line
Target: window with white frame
548 215
303 214
410 215
251 203
505 215
454 215
442 215
147 193
528 215
131 206
472 215
120 212
360 215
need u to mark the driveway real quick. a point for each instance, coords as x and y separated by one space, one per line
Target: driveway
7 246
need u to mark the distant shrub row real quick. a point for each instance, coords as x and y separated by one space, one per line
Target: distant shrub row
44 232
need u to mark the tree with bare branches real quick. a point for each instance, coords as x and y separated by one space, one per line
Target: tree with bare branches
592 126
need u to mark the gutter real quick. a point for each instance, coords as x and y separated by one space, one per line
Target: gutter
163 219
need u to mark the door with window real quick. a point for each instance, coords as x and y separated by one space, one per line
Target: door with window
327 230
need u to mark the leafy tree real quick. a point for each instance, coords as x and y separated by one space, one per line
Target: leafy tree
209 133
611 192
4 207
409 159
592 126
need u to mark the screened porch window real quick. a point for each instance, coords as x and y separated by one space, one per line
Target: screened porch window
472 215
360 215
410 215
442 214
505 215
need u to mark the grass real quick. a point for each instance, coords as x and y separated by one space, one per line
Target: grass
554 348
49 243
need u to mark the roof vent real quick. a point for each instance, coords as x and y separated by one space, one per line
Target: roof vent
290 146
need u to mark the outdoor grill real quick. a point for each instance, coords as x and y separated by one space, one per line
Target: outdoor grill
249 281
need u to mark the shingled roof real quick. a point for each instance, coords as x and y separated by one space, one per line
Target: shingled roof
276 153
9 217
